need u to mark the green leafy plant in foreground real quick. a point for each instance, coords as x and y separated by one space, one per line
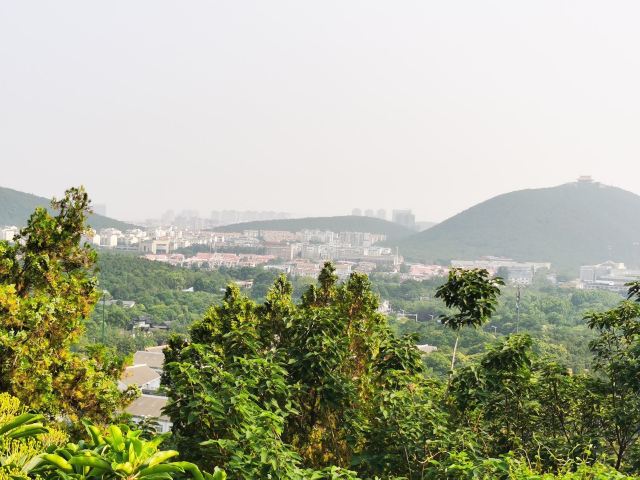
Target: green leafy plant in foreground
28 449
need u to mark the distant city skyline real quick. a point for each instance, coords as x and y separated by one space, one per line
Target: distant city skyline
102 208
316 108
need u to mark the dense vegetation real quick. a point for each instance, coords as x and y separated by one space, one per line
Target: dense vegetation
317 388
346 223
569 225
324 383
554 317
158 291
47 291
16 207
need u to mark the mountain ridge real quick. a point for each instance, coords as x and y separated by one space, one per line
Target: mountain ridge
17 206
340 223
569 225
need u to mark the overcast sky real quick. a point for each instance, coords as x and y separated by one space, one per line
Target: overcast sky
316 107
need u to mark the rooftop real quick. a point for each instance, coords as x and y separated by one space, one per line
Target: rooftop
148 406
138 375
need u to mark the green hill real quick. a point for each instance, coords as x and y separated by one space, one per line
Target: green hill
346 223
16 207
569 225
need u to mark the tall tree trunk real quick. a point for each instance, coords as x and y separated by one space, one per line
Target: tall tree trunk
455 349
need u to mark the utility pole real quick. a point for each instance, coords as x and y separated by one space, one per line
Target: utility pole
518 308
104 299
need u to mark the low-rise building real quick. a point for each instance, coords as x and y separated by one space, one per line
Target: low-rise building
609 275
511 270
8 233
146 378
152 359
150 407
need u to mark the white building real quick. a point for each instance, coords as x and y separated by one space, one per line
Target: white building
516 272
7 233
607 276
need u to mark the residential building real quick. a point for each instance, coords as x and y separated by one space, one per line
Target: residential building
152 359
150 407
404 217
512 271
146 378
8 232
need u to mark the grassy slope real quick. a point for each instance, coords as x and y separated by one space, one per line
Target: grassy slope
569 225
16 207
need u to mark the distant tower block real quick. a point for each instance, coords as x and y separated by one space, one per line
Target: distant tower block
356 212
369 213
100 209
404 217
585 179
382 213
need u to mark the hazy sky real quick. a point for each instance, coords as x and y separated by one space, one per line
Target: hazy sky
316 107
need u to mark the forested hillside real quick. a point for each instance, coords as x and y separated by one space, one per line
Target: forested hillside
15 208
569 225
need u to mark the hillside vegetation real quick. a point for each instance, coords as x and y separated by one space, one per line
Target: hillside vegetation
569 225
345 223
15 208
317 388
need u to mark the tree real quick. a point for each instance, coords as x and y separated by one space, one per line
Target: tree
617 361
474 294
47 292
283 390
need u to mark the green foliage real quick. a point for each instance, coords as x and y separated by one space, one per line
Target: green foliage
28 449
119 453
272 391
617 360
317 389
473 293
47 291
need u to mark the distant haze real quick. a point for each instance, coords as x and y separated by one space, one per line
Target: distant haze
316 107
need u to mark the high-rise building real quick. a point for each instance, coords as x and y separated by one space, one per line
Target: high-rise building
369 213
404 217
100 209
381 213
357 212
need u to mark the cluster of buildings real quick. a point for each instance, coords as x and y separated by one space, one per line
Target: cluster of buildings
299 253
153 240
610 276
418 271
146 373
512 271
192 220
211 261
402 217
